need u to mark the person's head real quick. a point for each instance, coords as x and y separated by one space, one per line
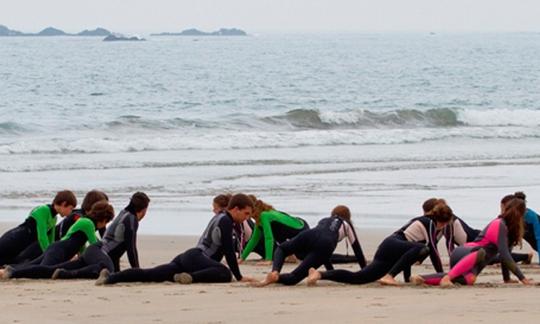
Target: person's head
91 198
505 201
513 217
220 202
101 213
342 211
441 214
240 207
428 205
64 202
138 204
260 206
521 195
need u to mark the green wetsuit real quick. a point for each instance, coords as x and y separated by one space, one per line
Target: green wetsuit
45 225
85 225
265 227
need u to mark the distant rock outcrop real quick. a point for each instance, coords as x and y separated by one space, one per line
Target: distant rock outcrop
118 37
96 32
4 31
51 31
196 32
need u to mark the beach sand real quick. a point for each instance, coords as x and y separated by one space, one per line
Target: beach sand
80 301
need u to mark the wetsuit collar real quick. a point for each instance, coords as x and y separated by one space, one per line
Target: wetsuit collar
53 211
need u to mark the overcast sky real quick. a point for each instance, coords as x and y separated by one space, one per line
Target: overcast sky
273 15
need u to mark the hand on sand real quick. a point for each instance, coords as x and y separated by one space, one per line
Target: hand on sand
239 261
313 277
264 263
527 281
388 280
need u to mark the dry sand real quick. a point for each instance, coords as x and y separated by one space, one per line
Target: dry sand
79 301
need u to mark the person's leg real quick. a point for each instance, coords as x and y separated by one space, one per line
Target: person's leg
31 252
94 260
13 242
161 273
415 252
312 260
201 268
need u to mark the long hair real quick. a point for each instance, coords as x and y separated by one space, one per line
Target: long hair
259 207
441 212
513 217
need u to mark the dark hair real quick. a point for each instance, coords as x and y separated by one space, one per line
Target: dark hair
428 205
241 201
342 211
513 217
222 200
101 211
139 201
507 198
65 197
441 213
91 198
520 195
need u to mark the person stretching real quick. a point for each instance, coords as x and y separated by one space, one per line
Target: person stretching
202 263
274 226
39 227
398 251
120 237
469 260
84 230
316 247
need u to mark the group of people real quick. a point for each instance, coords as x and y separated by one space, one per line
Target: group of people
242 224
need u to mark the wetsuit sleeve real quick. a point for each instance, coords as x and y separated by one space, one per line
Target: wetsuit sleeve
266 223
434 251
42 215
355 244
253 240
328 265
504 252
532 218
448 237
227 243
131 225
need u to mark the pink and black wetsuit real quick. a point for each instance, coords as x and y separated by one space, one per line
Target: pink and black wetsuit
467 261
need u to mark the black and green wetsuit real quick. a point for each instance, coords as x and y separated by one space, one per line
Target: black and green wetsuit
84 230
275 226
39 227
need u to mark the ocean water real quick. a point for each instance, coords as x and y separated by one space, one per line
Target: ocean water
379 122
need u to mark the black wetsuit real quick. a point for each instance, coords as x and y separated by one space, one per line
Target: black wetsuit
316 247
34 250
202 262
120 237
58 252
20 244
396 253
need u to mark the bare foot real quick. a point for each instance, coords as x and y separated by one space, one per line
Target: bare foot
388 280
446 282
417 280
313 277
271 277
